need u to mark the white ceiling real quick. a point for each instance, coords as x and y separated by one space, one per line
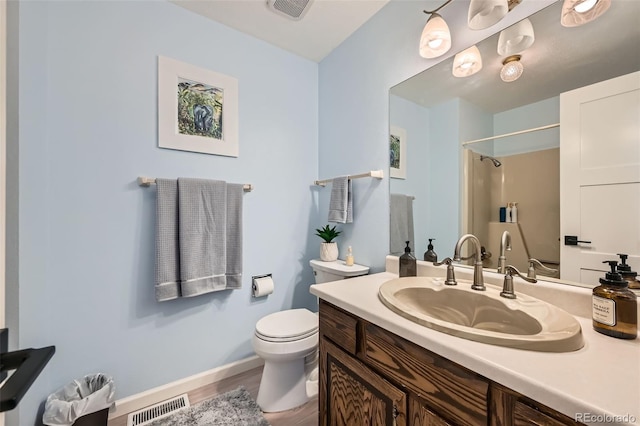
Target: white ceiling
326 24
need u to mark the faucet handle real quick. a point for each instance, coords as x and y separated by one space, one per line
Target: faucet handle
451 278
533 263
507 286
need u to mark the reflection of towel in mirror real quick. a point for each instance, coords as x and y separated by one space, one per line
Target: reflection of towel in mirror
341 204
401 226
199 237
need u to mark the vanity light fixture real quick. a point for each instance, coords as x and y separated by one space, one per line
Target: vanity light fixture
516 38
485 13
436 38
511 69
467 62
580 12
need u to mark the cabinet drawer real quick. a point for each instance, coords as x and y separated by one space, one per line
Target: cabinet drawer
421 415
338 326
457 394
524 415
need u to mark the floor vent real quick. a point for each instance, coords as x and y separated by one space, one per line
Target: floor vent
158 411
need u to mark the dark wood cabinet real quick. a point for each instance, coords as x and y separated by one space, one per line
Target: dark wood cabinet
369 376
355 395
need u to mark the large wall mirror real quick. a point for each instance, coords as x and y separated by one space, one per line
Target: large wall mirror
459 169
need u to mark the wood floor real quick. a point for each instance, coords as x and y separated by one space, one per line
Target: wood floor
305 415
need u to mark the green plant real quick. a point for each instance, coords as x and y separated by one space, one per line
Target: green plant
327 234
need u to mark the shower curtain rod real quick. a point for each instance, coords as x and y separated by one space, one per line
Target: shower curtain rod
378 174
549 126
148 181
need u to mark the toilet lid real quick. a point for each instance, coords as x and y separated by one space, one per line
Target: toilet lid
292 324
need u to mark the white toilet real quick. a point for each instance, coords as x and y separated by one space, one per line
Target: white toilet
288 343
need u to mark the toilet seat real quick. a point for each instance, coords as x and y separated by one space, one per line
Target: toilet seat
287 326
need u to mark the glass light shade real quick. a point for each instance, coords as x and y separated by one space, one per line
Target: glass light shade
467 62
436 38
580 12
485 13
516 38
512 69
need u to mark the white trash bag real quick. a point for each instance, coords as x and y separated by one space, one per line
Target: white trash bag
81 397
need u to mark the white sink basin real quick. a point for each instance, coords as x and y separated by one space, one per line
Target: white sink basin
483 316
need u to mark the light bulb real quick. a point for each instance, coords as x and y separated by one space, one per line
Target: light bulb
512 69
585 6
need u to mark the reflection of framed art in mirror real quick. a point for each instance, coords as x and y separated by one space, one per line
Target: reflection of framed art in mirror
398 152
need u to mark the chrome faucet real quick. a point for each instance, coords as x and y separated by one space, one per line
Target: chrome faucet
507 286
478 281
533 263
451 277
505 244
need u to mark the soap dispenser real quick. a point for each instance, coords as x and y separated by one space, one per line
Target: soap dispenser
430 255
614 306
626 272
349 259
408 266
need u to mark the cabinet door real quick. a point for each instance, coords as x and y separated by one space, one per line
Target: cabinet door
351 394
421 415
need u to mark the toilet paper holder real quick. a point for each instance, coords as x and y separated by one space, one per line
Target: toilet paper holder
254 286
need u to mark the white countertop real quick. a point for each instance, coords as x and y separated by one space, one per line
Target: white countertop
602 378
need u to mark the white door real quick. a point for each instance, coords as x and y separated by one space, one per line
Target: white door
600 176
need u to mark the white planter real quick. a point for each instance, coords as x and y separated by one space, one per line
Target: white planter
328 252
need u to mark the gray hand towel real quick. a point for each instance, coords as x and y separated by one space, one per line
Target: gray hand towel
401 224
167 249
341 203
202 235
235 192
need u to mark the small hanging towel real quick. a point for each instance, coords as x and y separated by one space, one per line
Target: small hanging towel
341 203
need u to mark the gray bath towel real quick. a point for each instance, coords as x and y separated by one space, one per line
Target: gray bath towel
210 235
199 237
341 203
401 222
167 248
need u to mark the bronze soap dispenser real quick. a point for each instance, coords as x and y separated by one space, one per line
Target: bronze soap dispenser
614 306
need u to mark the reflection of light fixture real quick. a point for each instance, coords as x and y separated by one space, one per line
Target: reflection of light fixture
485 13
511 69
467 62
436 38
579 12
516 38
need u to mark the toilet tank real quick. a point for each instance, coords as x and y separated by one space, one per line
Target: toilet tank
336 270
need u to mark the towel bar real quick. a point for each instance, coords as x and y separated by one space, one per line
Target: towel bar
147 181
378 174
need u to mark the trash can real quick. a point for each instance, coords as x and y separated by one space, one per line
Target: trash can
83 402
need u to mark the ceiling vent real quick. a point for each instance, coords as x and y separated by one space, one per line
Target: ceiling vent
292 9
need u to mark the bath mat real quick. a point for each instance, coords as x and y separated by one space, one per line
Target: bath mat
234 408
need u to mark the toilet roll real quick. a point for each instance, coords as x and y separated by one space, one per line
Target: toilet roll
262 286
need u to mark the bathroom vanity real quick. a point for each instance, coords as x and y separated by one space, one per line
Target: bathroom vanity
377 367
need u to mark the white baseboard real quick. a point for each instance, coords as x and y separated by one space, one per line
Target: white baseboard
161 393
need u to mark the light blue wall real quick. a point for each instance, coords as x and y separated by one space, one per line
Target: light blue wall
354 81
530 116
414 119
88 127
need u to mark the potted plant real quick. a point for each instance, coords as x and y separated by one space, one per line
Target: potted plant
328 248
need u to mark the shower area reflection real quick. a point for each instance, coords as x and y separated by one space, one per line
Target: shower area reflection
529 179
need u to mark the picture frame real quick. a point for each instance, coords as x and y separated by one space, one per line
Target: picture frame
398 153
197 109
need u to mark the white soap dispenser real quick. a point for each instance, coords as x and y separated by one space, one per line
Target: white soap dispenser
514 212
